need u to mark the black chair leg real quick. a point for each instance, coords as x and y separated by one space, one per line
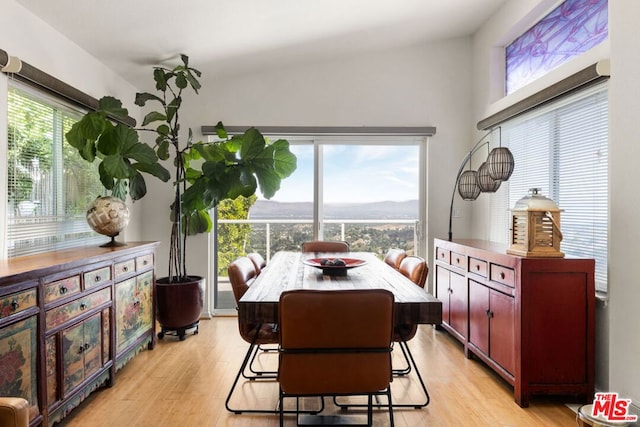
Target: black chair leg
252 349
407 369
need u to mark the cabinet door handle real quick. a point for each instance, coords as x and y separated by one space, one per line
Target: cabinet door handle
125 268
14 304
63 290
477 267
83 306
450 290
136 303
97 279
502 275
487 312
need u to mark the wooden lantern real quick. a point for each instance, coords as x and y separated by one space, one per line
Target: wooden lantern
535 227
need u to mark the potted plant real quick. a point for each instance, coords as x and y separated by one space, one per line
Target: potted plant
205 174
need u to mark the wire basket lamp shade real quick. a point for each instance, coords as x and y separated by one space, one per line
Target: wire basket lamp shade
486 183
500 163
468 187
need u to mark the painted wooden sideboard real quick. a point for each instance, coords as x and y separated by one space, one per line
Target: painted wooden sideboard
69 320
532 320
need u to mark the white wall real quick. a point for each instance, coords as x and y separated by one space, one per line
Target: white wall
33 41
415 86
618 322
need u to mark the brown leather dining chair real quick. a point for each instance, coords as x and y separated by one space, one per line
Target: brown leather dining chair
242 273
325 246
336 343
258 261
394 256
415 268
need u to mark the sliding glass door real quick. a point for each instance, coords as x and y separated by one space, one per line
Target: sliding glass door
366 190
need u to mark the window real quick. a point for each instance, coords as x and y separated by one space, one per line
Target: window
563 149
49 185
569 30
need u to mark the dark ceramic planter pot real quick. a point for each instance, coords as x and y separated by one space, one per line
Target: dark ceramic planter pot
178 305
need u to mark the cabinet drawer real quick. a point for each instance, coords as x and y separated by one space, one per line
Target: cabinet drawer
15 303
143 262
124 268
59 315
443 255
501 274
97 277
61 288
478 266
459 260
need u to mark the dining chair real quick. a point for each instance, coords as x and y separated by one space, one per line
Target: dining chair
325 246
242 273
394 256
415 268
258 261
336 343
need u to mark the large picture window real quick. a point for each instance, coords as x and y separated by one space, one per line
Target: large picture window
563 150
49 185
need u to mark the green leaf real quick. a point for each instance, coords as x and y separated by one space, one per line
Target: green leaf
195 84
185 59
199 222
155 169
163 130
284 161
88 151
221 132
117 139
105 178
253 144
92 125
269 182
163 150
142 98
117 166
181 80
119 189
153 116
160 78
173 107
112 106
142 153
137 186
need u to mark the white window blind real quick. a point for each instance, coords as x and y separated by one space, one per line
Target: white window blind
49 185
563 150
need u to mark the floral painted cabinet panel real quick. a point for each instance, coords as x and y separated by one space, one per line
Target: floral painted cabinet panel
18 362
134 309
82 352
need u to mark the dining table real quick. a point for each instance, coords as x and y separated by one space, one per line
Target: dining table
289 270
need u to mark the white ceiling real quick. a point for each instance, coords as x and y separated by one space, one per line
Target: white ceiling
234 35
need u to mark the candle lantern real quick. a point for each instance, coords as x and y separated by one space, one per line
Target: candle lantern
535 227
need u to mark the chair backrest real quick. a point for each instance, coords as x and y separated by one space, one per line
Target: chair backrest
325 246
335 341
394 256
415 268
241 272
257 260
14 412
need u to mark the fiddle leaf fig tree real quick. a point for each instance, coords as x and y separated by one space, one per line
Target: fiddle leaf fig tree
206 172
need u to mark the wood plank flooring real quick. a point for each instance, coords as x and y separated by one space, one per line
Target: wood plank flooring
185 384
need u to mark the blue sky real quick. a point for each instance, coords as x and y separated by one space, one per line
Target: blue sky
355 174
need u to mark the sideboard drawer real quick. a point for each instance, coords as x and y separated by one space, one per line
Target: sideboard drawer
144 262
124 268
61 288
501 274
459 260
59 315
443 255
20 301
478 266
97 277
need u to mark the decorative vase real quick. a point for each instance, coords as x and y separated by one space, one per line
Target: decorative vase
108 216
179 305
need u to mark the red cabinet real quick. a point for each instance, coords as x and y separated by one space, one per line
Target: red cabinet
532 320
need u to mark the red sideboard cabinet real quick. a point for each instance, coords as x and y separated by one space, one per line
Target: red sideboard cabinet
531 320
69 320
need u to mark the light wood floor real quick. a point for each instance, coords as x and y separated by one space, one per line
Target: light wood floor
185 384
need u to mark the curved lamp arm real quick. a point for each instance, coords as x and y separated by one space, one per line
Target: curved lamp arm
473 150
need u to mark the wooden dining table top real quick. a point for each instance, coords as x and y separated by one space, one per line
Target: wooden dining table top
288 271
